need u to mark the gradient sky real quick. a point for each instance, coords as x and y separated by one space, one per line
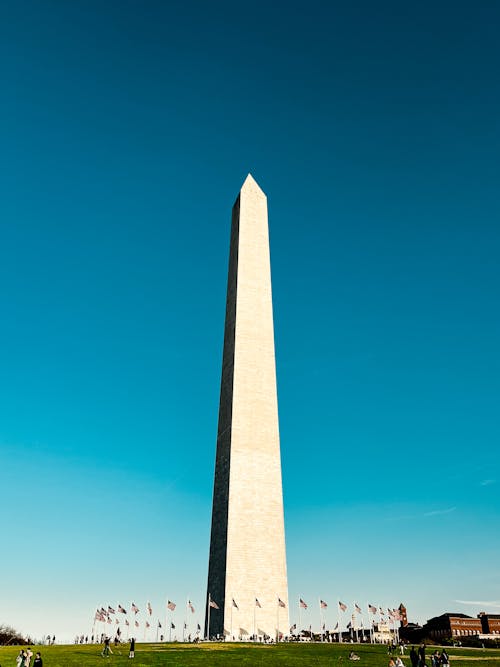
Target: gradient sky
127 129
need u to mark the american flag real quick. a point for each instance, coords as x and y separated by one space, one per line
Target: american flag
257 604
137 624
294 627
135 608
302 604
213 604
381 611
190 605
397 615
171 605
121 610
342 606
110 610
323 604
281 603
357 608
104 611
235 605
372 609
150 609
109 620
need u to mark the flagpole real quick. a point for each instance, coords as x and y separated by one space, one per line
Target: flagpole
232 605
278 622
321 621
208 617
254 614
300 618
340 625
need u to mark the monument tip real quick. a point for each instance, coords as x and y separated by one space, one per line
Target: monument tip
251 184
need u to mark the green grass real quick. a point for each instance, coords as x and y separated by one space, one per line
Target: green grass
229 655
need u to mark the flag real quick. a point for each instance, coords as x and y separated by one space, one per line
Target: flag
397 615
342 606
172 626
281 603
104 611
150 610
302 603
121 610
235 605
137 624
159 624
147 625
372 609
213 604
110 610
109 620
135 609
357 608
323 604
294 627
257 604
190 605
171 605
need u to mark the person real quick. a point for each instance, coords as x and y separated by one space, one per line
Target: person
132 648
21 659
392 663
106 650
399 662
445 660
38 662
29 655
413 657
421 655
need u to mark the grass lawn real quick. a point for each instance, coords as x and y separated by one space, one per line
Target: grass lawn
199 655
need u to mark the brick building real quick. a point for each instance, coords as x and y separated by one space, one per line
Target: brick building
490 623
453 626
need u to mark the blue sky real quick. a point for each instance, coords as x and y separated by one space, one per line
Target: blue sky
127 130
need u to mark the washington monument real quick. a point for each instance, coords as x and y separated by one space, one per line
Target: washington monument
247 578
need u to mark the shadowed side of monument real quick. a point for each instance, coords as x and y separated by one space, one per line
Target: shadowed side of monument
247 568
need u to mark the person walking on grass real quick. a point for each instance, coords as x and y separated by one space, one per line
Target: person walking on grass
132 648
38 662
106 648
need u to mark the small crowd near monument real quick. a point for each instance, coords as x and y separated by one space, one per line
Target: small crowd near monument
25 656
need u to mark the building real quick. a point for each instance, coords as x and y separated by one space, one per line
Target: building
452 626
247 592
403 616
490 623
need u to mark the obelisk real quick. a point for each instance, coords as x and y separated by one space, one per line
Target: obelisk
247 577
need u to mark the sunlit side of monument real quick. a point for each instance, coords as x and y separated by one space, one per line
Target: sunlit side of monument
247 577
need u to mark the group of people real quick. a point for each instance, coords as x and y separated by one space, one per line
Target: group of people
438 659
24 658
106 649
